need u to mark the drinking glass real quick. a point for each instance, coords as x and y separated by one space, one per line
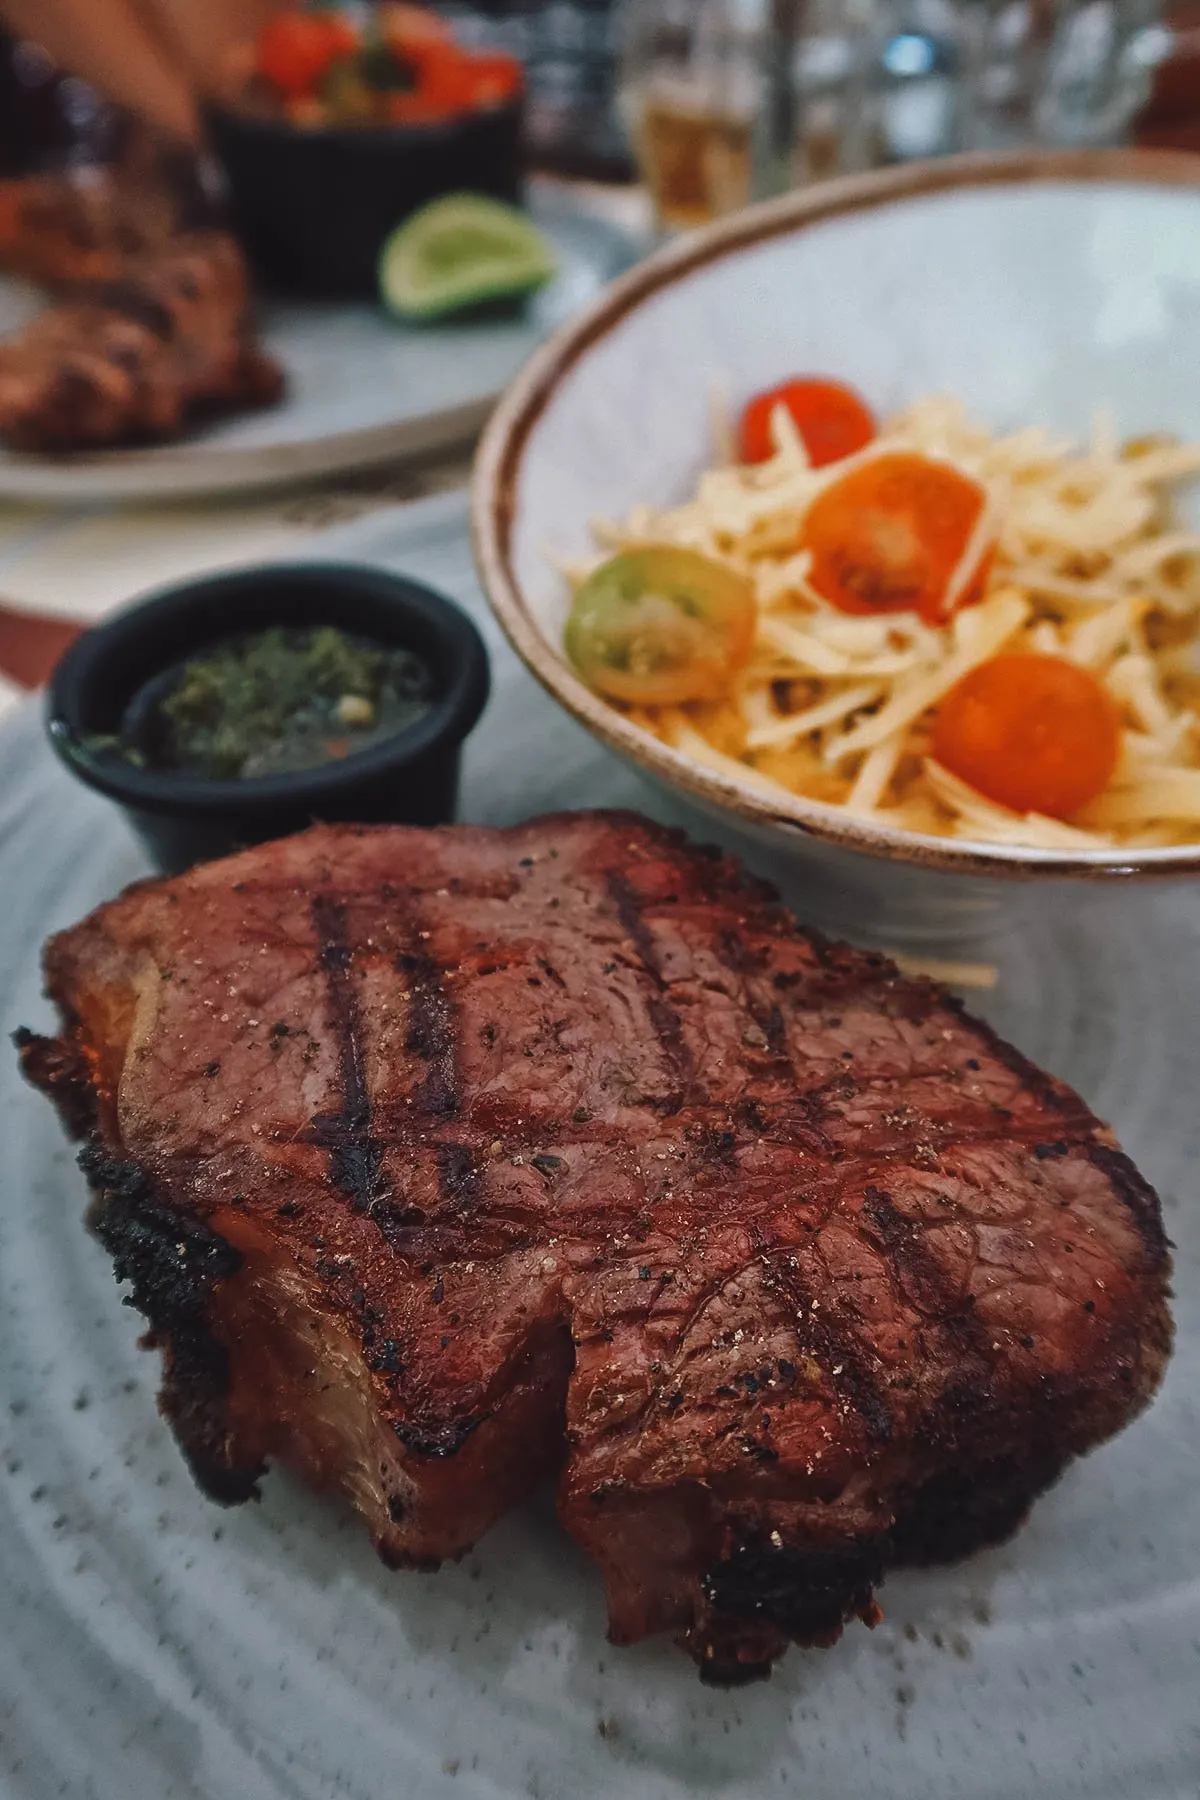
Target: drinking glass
1059 71
696 101
1099 70
834 127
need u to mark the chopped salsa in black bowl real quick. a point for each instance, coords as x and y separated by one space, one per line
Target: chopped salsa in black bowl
245 706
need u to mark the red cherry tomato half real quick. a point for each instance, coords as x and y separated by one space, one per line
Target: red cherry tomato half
296 48
831 418
494 79
444 79
406 27
342 36
889 535
1034 733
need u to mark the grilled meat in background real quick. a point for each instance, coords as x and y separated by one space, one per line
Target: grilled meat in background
446 1162
139 357
62 231
69 226
153 324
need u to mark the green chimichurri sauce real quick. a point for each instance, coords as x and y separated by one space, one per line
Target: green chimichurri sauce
288 698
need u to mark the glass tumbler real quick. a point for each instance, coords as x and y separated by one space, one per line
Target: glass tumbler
1099 70
1059 71
695 99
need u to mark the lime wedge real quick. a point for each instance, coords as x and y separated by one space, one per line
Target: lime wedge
461 251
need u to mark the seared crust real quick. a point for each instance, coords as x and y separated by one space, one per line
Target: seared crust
444 1161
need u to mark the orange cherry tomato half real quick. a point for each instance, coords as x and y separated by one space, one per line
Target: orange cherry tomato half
889 535
444 76
341 34
831 418
1034 733
296 48
661 626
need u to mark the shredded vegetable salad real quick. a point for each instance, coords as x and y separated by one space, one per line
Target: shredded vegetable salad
977 636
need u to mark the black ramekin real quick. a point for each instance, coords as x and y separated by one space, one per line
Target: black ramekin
312 208
411 778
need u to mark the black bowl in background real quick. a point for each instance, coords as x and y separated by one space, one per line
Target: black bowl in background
312 208
411 778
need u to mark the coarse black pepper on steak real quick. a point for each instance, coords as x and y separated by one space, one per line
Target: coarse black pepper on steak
444 1162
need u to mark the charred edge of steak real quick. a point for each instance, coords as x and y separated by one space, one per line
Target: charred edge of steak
961 1512
52 1065
808 1596
805 1595
172 1263
438 1441
1140 1199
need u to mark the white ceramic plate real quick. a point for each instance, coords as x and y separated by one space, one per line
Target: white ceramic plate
156 1648
1037 289
362 388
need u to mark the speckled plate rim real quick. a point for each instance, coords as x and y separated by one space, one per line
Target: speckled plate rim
198 471
497 473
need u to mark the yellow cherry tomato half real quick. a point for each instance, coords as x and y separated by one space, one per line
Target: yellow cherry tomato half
660 626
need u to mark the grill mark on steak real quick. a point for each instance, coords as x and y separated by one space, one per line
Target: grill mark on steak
925 1284
769 1019
432 1037
838 1351
666 1022
923 1276
431 1030
355 1153
460 1176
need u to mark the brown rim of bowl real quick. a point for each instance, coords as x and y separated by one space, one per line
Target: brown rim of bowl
497 473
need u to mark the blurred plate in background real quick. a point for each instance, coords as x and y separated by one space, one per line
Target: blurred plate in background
363 388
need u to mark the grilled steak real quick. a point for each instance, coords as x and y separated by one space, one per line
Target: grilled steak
65 233
444 1162
137 358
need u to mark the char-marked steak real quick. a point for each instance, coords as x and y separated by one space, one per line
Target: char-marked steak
444 1162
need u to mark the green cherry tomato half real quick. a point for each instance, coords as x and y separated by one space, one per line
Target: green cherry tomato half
660 626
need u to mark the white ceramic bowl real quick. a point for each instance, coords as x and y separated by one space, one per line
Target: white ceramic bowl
1035 287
